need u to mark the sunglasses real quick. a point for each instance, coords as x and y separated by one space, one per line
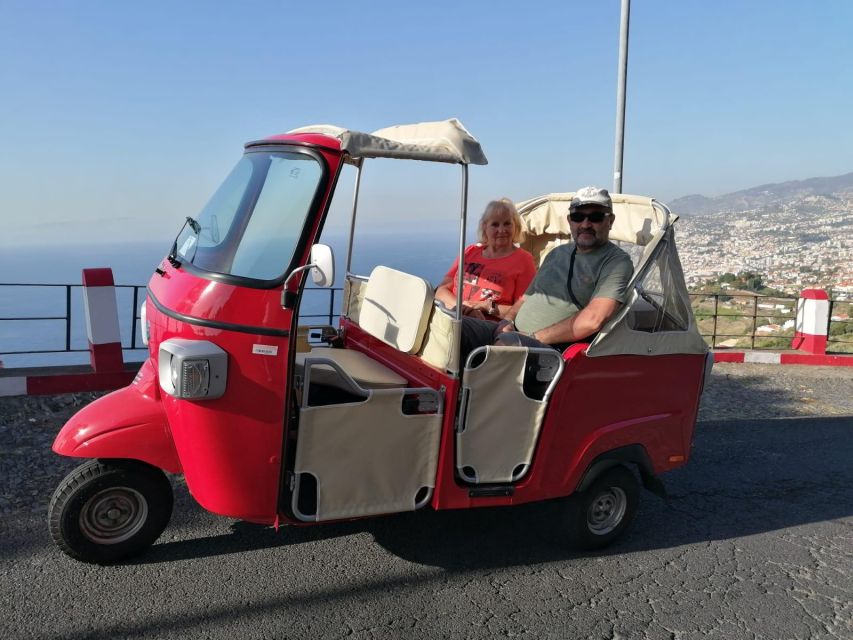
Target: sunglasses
593 216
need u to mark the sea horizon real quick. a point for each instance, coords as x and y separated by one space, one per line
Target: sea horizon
428 255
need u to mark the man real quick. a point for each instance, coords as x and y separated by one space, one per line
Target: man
576 291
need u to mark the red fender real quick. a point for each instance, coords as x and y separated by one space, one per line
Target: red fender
127 423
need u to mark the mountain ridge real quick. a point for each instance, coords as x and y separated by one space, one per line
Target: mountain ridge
765 195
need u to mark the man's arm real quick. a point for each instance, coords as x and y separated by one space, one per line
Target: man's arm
584 323
508 321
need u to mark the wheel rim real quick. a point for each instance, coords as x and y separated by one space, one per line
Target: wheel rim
113 515
606 511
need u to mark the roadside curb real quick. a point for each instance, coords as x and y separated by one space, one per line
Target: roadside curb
54 380
74 379
769 357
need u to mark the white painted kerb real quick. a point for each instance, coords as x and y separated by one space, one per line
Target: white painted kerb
759 357
812 316
13 386
99 304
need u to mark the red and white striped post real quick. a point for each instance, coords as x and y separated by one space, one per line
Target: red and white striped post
102 328
810 330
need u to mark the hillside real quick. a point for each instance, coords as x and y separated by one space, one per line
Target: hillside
767 196
794 234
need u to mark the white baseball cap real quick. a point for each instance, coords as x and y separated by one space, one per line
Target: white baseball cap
591 196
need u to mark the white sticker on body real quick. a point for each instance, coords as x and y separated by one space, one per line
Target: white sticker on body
265 349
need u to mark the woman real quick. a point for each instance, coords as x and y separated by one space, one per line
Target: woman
496 272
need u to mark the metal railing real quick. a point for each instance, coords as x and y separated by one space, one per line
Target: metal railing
331 315
720 316
839 331
736 316
66 317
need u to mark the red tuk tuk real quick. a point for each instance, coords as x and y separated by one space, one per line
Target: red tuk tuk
384 418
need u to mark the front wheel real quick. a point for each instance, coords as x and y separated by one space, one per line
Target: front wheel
604 511
105 511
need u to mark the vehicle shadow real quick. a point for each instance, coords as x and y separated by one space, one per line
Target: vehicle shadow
745 477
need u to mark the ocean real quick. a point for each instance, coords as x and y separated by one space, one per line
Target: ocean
425 253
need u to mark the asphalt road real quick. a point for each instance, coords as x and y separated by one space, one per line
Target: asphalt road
755 541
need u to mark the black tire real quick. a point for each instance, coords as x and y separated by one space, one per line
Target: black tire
108 510
604 511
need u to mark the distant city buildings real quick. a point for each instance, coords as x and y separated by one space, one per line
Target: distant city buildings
804 243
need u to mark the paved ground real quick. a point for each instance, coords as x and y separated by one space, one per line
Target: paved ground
756 541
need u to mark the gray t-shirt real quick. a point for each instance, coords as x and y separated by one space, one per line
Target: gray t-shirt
602 273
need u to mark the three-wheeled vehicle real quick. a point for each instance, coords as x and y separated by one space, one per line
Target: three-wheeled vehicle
382 417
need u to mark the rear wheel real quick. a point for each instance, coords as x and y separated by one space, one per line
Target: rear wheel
105 511
604 511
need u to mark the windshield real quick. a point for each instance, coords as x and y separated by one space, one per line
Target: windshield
252 224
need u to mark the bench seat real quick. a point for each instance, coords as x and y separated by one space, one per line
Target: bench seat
367 372
395 309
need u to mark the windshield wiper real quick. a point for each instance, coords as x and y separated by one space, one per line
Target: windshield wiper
173 253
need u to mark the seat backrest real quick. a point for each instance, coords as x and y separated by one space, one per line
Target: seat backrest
353 296
396 308
440 348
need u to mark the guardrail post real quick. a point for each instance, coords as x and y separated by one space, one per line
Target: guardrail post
102 328
810 330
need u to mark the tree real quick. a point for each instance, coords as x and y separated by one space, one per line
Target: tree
753 282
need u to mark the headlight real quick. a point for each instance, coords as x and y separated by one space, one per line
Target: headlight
173 372
195 378
192 369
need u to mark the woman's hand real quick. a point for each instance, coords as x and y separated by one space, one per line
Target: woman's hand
472 310
481 305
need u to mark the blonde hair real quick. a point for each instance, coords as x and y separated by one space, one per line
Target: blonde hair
504 205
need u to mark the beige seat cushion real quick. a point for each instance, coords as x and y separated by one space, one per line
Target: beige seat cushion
439 346
396 308
367 372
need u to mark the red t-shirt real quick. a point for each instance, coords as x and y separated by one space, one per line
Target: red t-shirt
503 280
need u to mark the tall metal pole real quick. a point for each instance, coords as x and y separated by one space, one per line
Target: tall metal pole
463 215
460 272
358 167
620 95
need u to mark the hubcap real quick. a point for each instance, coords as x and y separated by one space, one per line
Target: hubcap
606 511
113 515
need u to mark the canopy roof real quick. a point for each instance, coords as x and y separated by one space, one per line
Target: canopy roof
637 217
545 221
444 141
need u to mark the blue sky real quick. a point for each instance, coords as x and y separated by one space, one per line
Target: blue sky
121 118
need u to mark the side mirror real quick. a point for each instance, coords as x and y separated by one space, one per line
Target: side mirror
322 268
322 265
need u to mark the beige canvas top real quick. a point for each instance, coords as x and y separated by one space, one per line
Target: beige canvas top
638 218
442 141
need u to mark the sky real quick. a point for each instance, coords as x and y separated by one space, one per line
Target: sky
118 119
